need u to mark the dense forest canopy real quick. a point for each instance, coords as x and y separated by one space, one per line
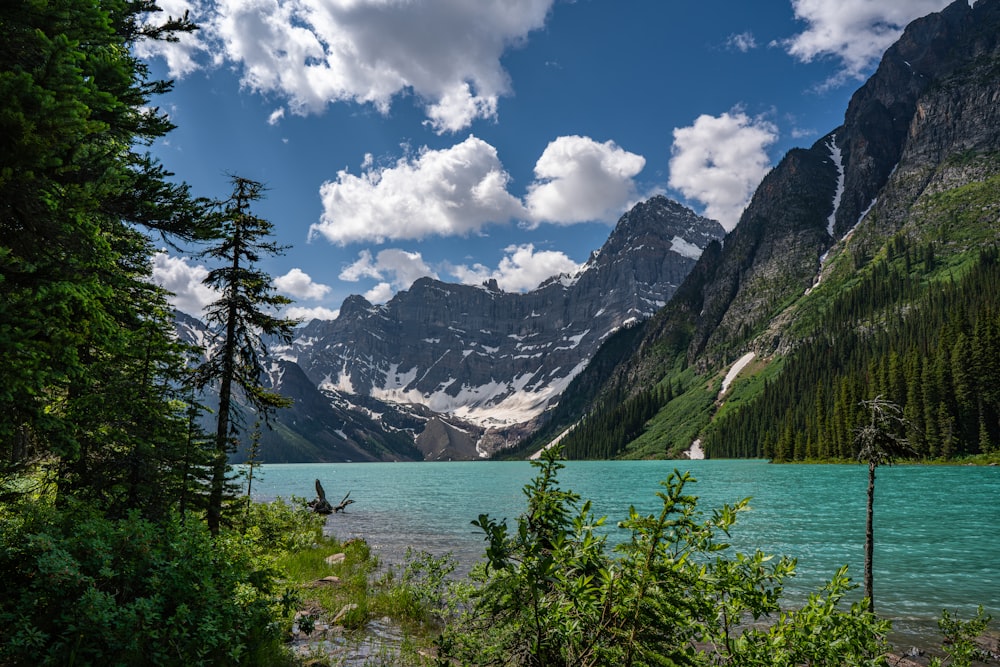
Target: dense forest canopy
103 466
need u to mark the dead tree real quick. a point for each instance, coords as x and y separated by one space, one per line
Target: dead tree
343 503
321 505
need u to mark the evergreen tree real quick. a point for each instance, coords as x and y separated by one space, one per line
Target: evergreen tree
80 327
242 318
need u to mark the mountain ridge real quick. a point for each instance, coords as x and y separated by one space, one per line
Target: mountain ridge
446 371
923 126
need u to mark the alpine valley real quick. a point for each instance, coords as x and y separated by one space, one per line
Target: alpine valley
864 265
450 371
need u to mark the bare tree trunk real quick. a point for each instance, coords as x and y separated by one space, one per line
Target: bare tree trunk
870 540
220 464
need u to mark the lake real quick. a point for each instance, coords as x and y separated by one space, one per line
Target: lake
936 527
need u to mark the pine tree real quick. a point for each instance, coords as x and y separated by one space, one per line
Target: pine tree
80 326
241 319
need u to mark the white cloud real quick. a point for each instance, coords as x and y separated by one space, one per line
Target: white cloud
522 269
190 294
460 190
395 269
380 293
856 32
306 314
578 179
454 191
297 283
720 160
276 116
317 52
742 42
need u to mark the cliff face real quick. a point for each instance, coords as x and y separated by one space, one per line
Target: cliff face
461 369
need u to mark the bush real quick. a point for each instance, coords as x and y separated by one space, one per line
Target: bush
81 589
284 525
552 593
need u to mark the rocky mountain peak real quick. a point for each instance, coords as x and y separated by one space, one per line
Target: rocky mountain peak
481 359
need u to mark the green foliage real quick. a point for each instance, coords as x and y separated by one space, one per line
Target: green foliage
82 589
678 423
929 347
419 591
551 593
607 431
241 319
284 526
79 322
960 639
819 634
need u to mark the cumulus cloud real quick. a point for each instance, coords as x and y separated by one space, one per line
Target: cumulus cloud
578 179
460 190
380 293
299 284
395 269
520 270
454 191
305 314
856 32
176 275
719 160
742 42
316 52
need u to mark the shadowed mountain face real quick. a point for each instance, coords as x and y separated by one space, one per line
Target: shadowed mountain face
933 95
926 123
496 358
457 371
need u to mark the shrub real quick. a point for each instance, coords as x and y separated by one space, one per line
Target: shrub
283 525
81 589
552 593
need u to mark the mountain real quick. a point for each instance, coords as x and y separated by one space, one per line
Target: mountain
449 371
466 369
844 246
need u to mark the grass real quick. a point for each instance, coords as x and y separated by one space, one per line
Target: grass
403 603
678 423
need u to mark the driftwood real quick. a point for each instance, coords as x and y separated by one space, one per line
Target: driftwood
322 506
343 503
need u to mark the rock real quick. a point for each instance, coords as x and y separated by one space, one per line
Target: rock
344 611
470 348
336 559
325 581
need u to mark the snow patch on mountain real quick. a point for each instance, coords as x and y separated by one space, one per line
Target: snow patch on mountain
685 248
838 159
740 364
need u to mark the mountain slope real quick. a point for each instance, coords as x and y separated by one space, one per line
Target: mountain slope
446 371
464 369
913 164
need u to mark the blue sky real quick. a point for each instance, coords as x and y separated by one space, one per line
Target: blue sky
475 139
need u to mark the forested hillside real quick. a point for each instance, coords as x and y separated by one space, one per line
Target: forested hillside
932 348
864 266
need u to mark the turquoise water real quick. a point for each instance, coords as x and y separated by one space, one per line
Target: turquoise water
936 528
